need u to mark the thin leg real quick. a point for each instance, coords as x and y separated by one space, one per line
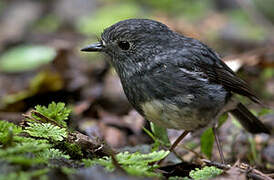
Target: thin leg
178 140
218 144
172 147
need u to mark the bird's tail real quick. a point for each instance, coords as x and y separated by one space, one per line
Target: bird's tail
248 120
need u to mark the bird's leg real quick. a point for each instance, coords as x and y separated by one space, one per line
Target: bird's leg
218 144
177 141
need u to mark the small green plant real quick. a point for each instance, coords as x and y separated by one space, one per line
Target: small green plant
47 131
31 151
7 126
207 142
36 174
35 143
206 172
134 163
57 113
159 136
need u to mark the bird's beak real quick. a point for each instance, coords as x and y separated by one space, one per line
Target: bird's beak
93 47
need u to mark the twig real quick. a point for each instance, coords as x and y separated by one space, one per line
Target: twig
216 164
94 146
244 168
256 174
89 145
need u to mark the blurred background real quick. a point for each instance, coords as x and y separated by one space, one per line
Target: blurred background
41 62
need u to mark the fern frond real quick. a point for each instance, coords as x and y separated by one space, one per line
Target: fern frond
205 173
25 160
134 163
46 130
7 126
22 139
24 153
52 154
56 112
36 174
26 147
138 158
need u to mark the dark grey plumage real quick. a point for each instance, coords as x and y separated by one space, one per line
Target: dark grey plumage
172 80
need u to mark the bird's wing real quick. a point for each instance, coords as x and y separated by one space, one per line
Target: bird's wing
217 71
193 63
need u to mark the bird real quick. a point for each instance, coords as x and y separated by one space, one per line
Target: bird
175 81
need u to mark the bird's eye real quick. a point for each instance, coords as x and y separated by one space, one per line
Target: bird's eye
124 45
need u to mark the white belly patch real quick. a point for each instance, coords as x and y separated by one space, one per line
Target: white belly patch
170 116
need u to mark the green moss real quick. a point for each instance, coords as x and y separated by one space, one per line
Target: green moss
73 150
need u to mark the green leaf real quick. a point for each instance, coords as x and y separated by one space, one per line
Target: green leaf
46 130
222 119
205 173
25 58
207 142
160 133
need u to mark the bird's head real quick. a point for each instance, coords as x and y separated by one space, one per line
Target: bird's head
132 40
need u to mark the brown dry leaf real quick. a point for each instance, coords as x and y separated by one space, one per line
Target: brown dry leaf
114 137
110 118
81 106
134 121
